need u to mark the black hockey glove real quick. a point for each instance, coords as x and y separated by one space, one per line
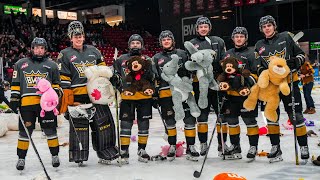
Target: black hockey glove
293 63
155 102
115 80
14 104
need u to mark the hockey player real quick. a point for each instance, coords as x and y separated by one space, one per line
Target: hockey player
27 72
234 104
72 62
138 102
282 45
204 41
167 42
5 86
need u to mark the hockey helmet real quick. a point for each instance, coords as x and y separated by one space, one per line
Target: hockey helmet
265 20
75 28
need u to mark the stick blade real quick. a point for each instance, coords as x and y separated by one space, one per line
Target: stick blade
196 174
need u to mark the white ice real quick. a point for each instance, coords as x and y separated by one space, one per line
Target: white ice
180 168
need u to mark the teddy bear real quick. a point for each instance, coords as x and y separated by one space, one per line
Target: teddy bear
201 62
99 88
49 98
233 76
139 76
181 89
270 82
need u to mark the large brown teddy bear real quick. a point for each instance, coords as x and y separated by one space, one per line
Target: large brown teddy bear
139 77
233 76
270 82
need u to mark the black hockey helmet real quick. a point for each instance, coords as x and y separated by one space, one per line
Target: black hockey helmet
203 20
135 37
265 20
164 34
240 30
75 28
5 83
39 42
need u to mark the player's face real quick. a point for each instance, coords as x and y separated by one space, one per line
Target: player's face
6 88
77 41
268 30
135 45
203 29
239 39
166 43
39 50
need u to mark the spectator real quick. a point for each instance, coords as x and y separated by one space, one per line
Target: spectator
307 80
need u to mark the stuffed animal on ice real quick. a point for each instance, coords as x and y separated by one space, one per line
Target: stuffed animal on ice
201 62
99 88
233 78
181 89
139 76
49 98
179 149
270 83
3 127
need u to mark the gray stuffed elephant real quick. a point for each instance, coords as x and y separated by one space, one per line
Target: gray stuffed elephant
181 89
202 64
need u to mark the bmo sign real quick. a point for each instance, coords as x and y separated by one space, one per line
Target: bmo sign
189 27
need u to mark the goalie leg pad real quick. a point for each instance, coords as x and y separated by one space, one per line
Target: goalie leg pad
81 131
103 133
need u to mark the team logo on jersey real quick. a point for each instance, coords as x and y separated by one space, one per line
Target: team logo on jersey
33 77
262 49
72 58
160 61
124 63
81 66
24 65
281 54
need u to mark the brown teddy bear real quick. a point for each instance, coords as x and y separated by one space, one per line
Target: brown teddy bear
139 76
270 82
233 76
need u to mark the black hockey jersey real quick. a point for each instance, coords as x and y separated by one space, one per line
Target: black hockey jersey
159 60
71 65
122 70
280 45
217 44
25 76
248 61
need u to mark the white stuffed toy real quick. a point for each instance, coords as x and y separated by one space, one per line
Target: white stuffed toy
202 64
181 89
99 88
3 128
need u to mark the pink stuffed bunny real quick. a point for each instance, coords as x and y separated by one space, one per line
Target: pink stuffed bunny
49 98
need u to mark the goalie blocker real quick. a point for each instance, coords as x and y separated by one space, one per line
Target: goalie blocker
103 132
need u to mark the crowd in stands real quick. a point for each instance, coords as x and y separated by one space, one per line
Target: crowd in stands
17 32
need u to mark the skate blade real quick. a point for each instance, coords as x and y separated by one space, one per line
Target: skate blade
80 164
303 162
233 156
251 160
123 161
103 161
191 158
171 158
143 160
276 159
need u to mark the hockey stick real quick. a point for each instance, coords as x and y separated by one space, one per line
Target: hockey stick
164 123
197 174
220 120
294 118
117 110
75 132
33 145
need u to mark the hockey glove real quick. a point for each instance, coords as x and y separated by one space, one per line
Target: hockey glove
66 100
293 63
155 102
115 80
14 104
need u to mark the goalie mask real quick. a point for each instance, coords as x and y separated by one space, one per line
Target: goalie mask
38 42
75 28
